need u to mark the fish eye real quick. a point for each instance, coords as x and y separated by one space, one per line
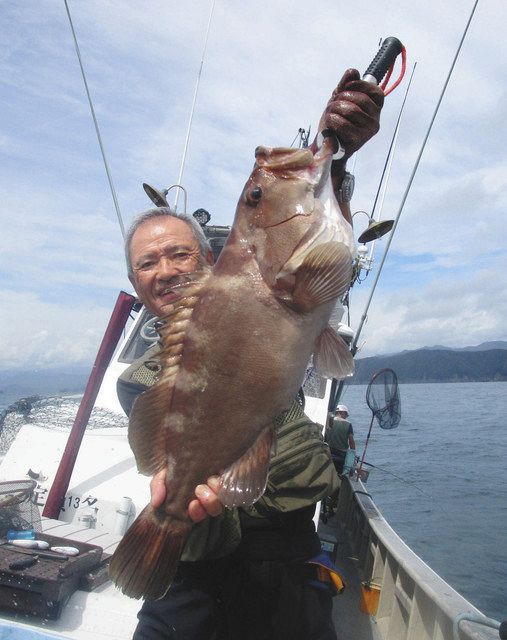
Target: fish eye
253 196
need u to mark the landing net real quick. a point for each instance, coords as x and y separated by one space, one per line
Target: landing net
17 508
383 398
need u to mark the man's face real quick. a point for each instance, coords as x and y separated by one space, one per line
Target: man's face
161 248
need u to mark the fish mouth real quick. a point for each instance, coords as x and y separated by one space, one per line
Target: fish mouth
283 158
280 159
308 172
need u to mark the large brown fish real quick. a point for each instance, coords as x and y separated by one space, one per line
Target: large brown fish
234 352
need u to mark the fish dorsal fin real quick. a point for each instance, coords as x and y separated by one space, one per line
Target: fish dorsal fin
332 357
245 480
323 276
153 430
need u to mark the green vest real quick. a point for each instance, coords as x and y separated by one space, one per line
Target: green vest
337 436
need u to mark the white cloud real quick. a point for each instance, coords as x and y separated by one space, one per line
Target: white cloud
453 310
267 73
38 334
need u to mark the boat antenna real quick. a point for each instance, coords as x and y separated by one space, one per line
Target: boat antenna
353 348
303 135
187 139
95 122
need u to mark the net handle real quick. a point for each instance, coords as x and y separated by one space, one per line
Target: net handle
366 445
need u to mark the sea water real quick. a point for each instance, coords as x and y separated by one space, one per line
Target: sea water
449 499
442 481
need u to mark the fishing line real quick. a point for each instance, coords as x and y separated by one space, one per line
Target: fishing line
95 122
192 109
429 496
298 135
412 484
386 172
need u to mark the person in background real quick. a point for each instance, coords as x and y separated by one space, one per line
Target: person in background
340 437
244 573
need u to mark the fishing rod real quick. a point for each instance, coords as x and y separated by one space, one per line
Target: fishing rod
367 260
378 72
377 228
382 63
388 166
335 393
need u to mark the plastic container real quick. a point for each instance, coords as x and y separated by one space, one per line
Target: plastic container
370 595
12 534
348 464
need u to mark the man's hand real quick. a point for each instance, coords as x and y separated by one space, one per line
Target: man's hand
353 112
206 501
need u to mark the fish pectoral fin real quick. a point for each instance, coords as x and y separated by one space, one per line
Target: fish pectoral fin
332 357
323 276
245 480
150 434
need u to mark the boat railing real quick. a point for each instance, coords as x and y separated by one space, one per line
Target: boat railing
414 603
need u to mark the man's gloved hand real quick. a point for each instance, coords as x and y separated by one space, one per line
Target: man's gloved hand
353 113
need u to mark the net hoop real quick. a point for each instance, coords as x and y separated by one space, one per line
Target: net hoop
383 398
16 491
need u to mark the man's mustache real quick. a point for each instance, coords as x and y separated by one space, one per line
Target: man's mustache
180 279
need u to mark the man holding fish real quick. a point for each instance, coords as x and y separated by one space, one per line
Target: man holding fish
216 396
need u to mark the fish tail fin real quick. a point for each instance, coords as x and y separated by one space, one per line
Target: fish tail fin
145 561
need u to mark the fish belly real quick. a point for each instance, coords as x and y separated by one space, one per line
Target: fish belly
244 359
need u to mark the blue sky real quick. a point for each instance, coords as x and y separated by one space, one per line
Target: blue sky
268 71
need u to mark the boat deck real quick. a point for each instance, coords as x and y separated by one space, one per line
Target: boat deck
103 614
358 626
106 614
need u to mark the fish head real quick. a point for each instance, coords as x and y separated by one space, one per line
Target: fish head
281 187
280 205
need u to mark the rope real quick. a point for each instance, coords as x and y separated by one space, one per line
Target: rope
400 77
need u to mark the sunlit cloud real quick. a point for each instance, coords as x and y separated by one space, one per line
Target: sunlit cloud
265 75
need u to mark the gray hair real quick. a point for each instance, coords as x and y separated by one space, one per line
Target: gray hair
160 212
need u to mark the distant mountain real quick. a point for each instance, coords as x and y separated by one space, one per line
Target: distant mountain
484 346
45 382
470 364
482 363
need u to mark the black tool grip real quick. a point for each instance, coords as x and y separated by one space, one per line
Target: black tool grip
386 55
23 563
